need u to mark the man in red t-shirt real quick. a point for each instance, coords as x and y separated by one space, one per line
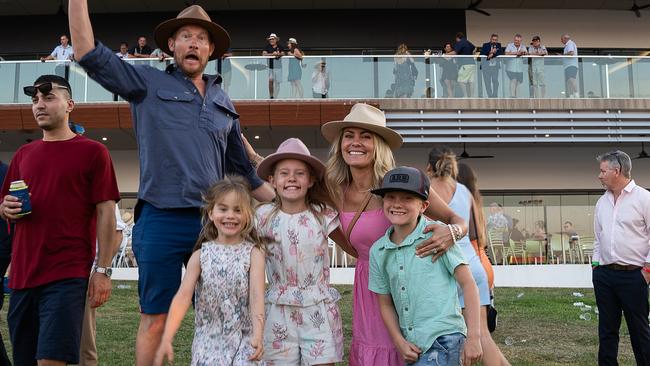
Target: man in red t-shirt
73 193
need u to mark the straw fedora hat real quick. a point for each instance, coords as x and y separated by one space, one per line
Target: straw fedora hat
194 15
366 117
291 148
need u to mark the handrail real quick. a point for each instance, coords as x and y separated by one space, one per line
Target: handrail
424 57
379 76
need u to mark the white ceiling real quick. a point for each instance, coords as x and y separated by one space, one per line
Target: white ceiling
44 7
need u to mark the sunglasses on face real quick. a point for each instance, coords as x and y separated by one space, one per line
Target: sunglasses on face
44 88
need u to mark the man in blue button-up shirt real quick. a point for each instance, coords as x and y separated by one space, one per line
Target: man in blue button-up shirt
188 138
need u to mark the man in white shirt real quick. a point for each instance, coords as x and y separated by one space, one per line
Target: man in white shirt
124 51
570 66
61 52
621 261
320 80
515 66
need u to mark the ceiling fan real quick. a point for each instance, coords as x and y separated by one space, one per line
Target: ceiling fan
466 155
642 154
473 5
635 8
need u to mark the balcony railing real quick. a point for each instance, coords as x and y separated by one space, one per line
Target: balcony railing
349 77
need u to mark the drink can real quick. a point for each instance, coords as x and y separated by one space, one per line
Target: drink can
20 190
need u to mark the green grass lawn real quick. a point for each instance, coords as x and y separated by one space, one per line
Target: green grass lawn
543 323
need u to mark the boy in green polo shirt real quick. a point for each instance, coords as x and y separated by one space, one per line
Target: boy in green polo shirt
418 297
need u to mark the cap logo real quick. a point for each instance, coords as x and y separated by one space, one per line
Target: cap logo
399 178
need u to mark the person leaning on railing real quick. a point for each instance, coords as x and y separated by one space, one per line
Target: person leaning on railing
490 65
466 66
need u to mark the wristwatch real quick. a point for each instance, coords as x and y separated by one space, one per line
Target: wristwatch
107 271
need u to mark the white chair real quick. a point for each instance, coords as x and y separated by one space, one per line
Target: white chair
517 248
495 239
575 252
119 256
331 245
586 248
344 259
124 257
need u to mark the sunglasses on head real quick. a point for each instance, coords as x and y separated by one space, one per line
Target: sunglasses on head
44 88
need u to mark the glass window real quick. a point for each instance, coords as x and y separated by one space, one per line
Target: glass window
542 228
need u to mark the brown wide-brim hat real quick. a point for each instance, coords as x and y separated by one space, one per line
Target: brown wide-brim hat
194 15
366 117
291 148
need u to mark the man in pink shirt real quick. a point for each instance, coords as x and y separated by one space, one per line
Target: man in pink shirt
621 261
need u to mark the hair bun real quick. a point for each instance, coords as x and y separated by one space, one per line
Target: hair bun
443 162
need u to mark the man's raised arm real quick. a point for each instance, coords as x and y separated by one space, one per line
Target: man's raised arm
81 31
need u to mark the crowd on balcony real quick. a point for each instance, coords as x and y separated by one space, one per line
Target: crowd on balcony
458 73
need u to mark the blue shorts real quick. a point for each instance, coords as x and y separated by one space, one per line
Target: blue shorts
445 351
162 243
45 321
570 72
519 76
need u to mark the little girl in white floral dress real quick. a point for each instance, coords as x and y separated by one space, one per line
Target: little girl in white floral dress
227 272
303 323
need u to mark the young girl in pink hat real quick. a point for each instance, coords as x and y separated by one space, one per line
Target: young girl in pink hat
303 323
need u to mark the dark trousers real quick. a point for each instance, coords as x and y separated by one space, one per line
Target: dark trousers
625 291
491 80
4 263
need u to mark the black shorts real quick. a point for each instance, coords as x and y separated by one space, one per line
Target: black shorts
516 75
570 72
45 321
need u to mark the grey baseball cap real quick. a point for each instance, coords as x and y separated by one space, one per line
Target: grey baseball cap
406 179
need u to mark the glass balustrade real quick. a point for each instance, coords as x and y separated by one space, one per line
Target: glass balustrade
348 77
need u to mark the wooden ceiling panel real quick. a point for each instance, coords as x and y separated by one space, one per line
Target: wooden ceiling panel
97 116
253 114
10 118
298 114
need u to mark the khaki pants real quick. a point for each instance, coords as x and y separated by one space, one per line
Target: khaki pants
88 347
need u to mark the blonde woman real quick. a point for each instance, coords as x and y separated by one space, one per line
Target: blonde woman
442 169
361 153
405 72
295 68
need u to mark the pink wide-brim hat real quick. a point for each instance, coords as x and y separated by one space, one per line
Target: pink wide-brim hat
292 148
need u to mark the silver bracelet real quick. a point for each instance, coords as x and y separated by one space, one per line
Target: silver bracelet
452 232
459 231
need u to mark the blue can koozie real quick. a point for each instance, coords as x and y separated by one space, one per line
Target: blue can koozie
20 190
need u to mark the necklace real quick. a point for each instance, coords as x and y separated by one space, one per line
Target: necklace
347 188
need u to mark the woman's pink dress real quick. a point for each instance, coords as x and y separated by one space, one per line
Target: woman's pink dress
371 344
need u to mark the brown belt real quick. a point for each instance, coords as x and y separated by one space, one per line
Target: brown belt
620 267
